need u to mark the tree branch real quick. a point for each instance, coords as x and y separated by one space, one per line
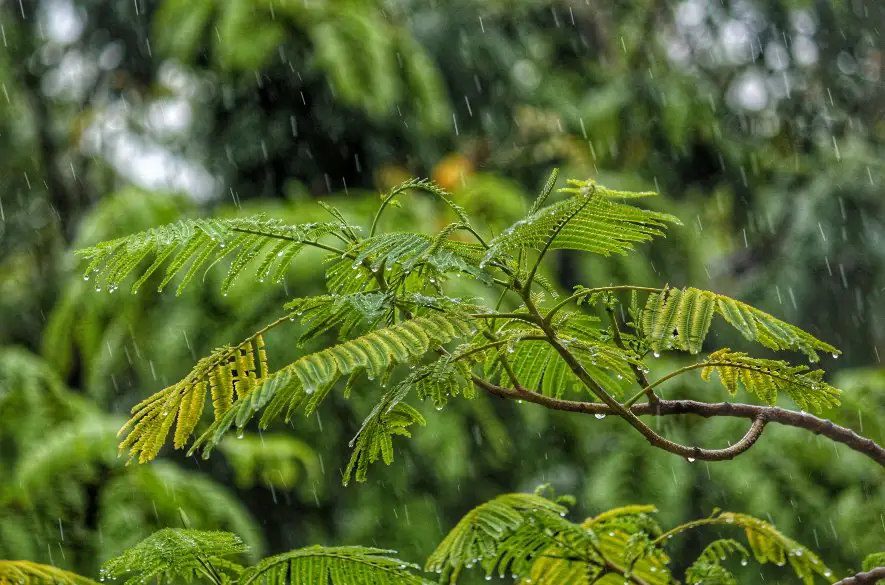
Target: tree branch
656 440
758 414
866 578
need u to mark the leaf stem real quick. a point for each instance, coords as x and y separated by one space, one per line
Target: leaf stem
209 570
637 371
699 365
291 239
519 316
528 281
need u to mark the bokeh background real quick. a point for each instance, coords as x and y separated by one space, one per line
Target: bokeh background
759 121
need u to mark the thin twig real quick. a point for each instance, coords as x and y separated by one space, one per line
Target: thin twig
527 317
706 364
590 291
556 230
637 371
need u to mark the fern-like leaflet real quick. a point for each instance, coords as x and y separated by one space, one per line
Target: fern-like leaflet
766 542
708 569
478 535
680 318
228 374
178 553
193 243
343 565
411 251
527 537
765 377
588 221
770 545
350 313
443 379
28 573
625 539
171 554
374 440
304 383
538 366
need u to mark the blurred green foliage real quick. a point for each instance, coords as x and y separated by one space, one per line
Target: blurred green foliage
276 102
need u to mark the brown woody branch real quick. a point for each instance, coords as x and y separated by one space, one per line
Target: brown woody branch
865 578
760 415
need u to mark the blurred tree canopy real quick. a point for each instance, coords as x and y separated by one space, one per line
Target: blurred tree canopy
759 120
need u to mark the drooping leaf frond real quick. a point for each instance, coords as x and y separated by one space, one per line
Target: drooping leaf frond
529 361
764 378
373 353
228 374
545 537
348 313
625 538
583 554
305 383
177 553
443 379
28 573
342 278
707 568
531 541
192 243
354 313
557 567
539 367
770 545
632 518
767 544
374 440
477 537
680 318
605 227
343 565
588 221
